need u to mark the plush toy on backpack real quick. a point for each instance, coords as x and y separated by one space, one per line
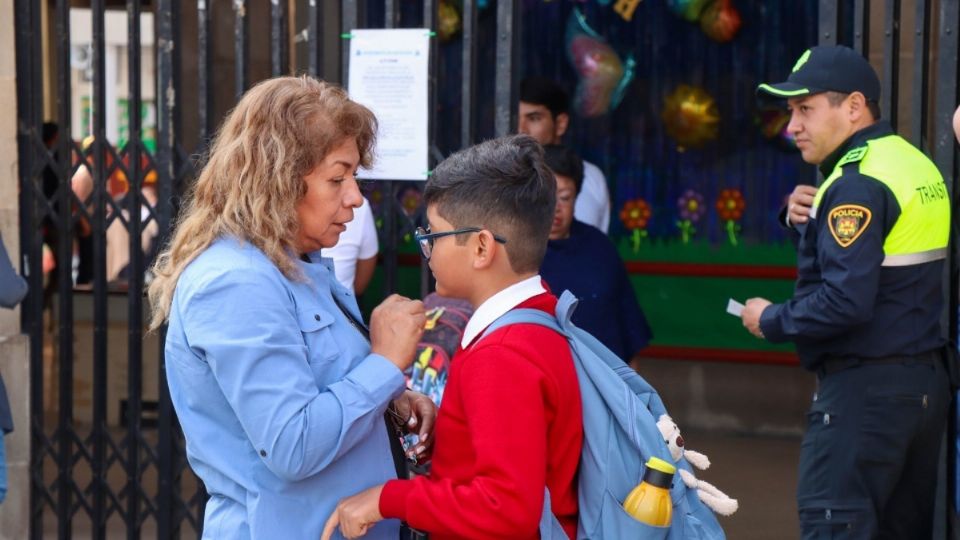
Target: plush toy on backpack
715 499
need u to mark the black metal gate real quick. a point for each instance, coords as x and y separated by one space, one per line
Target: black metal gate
107 454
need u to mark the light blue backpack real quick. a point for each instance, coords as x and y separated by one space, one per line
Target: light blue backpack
620 412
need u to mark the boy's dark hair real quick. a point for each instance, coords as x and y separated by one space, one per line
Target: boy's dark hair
543 91
564 162
502 185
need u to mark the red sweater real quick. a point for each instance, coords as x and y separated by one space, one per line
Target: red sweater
510 423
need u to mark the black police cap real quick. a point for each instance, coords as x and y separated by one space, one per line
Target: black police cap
824 69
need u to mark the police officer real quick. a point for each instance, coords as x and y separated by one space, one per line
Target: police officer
865 315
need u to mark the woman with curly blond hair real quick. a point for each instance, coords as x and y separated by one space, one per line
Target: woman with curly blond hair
280 395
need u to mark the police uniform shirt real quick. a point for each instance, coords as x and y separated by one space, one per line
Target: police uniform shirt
856 295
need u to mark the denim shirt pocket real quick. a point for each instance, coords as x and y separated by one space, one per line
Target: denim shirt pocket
316 325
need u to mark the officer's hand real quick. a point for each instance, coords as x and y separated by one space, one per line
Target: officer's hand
395 328
799 204
751 315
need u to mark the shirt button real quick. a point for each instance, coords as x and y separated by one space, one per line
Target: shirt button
316 317
263 453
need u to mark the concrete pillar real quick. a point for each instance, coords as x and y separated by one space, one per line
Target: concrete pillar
14 357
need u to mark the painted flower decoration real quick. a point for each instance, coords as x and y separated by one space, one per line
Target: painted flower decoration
730 205
635 214
411 200
691 207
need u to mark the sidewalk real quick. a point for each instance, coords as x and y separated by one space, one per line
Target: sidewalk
760 472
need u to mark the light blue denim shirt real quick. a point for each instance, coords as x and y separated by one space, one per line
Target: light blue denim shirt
280 400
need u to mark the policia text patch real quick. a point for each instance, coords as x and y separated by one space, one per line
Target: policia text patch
847 222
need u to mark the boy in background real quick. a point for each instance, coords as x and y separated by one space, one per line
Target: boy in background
510 422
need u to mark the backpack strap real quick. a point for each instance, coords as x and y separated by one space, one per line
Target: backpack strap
524 316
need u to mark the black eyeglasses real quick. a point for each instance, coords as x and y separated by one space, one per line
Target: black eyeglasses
425 238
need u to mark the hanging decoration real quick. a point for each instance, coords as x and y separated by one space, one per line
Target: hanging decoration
691 208
603 77
688 9
691 116
730 206
448 21
720 21
773 123
625 8
635 215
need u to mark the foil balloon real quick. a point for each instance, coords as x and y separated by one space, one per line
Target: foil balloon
773 124
448 21
691 116
720 21
603 78
688 9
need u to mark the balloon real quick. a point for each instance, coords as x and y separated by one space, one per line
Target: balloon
720 21
691 116
448 21
688 9
603 78
773 125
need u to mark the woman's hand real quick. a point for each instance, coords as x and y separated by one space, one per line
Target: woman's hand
355 515
420 412
395 329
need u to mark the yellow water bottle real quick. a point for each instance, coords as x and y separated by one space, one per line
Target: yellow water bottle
650 502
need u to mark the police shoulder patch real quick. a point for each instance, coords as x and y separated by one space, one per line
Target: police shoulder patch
847 222
854 155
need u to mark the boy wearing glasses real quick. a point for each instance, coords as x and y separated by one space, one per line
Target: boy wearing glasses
510 422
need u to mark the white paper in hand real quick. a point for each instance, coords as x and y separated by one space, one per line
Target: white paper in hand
734 308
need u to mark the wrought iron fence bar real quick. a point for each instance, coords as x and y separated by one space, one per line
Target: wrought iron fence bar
100 387
391 15
430 20
349 20
279 41
829 22
468 83
946 158
508 30
889 97
204 70
26 30
390 214
65 229
241 46
948 64
861 27
921 74
315 38
167 110
134 275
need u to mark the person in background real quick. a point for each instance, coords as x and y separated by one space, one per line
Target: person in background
865 314
355 255
544 115
584 261
279 387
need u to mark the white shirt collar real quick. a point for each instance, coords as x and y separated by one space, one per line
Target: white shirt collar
498 304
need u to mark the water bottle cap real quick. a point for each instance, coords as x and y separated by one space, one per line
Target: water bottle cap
658 464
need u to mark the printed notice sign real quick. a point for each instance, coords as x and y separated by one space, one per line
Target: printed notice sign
389 74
